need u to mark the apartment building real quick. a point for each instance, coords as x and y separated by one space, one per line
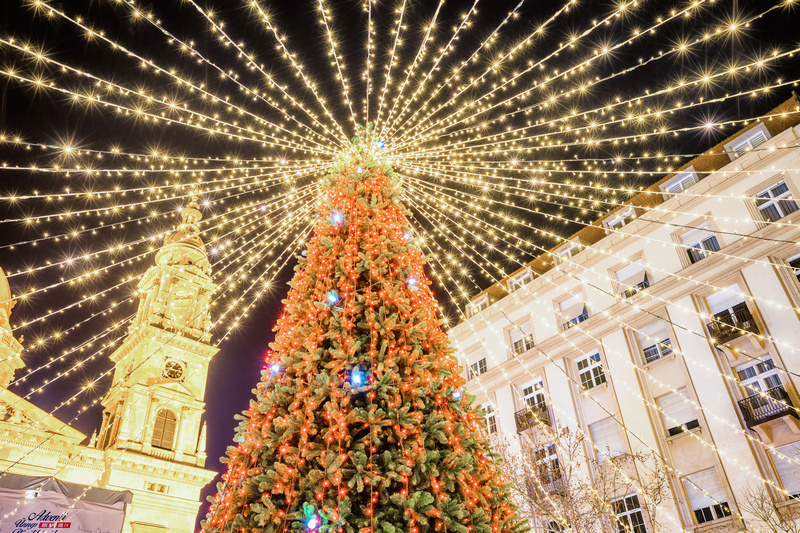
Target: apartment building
670 329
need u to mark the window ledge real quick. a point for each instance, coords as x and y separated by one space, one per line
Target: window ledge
712 525
683 434
602 386
654 362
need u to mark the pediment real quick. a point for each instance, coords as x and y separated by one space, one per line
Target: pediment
17 411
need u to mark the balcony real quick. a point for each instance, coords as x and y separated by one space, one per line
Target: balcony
549 482
527 418
766 406
732 324
636 289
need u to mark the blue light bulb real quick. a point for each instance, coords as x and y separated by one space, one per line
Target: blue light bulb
457 395
356 378
411 281
275 368
312 523
333 297
359 170
381 144
407 236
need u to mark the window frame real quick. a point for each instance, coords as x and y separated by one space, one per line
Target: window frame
477 305
596 379
699 224
490 418
685 179
777 203
162 431
746 138
478 368
521 279
629 527
626 215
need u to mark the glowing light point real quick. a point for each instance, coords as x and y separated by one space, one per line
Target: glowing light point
412 283
357 378
312 523
381 144
407 236
333 297
275 368
336 218
359 170
457 395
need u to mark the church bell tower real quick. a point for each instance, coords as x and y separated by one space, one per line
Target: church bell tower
156 400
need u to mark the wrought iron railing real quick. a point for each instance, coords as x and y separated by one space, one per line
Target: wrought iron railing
732 324
531 416
765 406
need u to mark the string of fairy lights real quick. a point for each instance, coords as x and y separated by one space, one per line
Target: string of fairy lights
503 129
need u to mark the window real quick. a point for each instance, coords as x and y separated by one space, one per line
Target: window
786 460
758 376
794 262
776 202
607 439
566 252
677 412
533 395
706 497
478 305
654 340
629 515
699 243
164 430
680 183
477 368
573 311
590 371
521 338
547 468
632 279
491 421
748 141
519 280
620 219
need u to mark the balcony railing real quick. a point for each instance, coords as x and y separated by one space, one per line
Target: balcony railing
636 289
577 320
765 406
525 418
732 323
550 482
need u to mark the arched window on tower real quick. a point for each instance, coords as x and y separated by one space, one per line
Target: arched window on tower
164 430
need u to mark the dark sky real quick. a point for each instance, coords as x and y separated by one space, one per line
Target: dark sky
48 118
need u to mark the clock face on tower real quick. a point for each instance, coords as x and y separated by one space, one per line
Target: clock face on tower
173 369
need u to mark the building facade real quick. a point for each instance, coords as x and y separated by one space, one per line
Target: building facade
152 439
667 330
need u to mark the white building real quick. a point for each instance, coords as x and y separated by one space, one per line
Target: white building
152 440
670 327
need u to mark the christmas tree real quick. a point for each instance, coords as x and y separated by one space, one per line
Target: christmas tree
359 424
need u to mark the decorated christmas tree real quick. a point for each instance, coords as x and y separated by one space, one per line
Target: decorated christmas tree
359 424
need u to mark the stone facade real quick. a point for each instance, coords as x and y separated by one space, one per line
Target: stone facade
669 327
152 439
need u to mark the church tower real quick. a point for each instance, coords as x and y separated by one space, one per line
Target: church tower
156 400
10 349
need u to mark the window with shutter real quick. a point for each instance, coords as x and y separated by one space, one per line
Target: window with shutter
632 279
654 340
164 430
787 463
680 183
700 242
572 311
590 371
677 412
776 202
607 439
491 420
706 496
521 338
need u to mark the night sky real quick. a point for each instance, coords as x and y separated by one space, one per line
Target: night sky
48 118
